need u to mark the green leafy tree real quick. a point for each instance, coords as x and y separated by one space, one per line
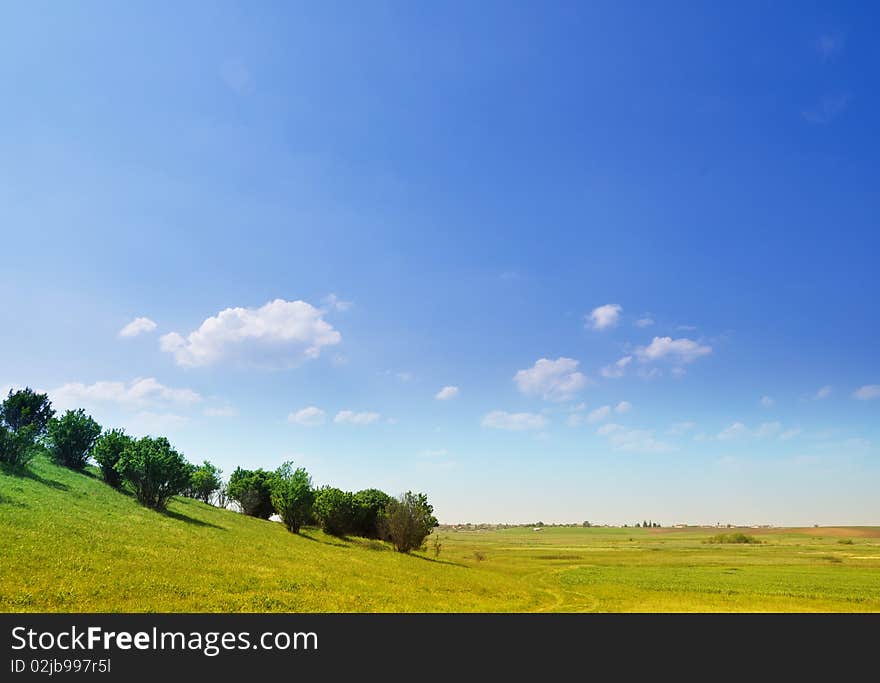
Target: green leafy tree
154 470
205 481
107 452
369 507
17 448
334 510
70 438
252 490
26 408
408 520
293 496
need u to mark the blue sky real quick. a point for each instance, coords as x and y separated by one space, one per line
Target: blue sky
637 240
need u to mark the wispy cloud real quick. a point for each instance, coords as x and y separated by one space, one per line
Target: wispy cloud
828 108
830 44
500 419
311 416
867 392
136 327
446 393
356 418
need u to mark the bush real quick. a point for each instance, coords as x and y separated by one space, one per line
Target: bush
71 438
369 508
732 538
334 510
292 496
205 480
408 520
17 448
107 451
251 489
26 408
154 470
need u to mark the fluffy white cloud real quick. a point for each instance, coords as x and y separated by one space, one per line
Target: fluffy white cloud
136 327
824 392
140 392
867 392
312 416
767 402
604 317
553 380
446 393
279 333
499 419
623 407
734 431
617 369
682 350
599 414
644 322
355 418
633 440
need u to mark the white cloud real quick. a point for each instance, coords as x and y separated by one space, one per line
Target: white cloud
824 392
789 434
499 419
682 350
355 418
604 317
334 303
644 322
446 393
617 369
623 407
280 332
311 416
553 380
767 402
140 392
767 430
867 392
633 440
736 430
136 327
225 411
599 414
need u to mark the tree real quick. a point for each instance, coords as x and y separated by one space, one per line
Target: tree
251 489
71 438
292 496
369 507
586 524
154 470
17 448
205 480
408 520
335 511
107 451
24 408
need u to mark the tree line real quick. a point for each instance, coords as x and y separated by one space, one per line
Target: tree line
153 471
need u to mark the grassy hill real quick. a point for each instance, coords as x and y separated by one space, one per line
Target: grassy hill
70 543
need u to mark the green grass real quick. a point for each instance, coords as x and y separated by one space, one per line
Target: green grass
69 543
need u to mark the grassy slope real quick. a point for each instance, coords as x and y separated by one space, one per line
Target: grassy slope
70 543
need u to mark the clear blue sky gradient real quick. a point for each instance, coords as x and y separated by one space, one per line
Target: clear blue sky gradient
475 178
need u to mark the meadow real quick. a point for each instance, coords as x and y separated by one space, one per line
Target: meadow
70 543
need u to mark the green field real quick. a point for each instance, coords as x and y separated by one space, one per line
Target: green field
69 543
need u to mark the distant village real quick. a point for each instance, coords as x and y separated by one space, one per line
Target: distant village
538 526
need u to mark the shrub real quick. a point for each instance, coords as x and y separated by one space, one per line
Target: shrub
732 538
335 511
17 448
292 496
154 470
26 408
369 507
251 489
107 451
71 438
408 520
204 481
